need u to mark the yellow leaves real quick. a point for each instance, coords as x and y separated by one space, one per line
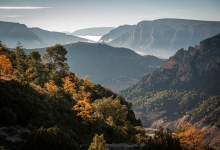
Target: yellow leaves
51 87
69 85
84 111
84 107
5 65
190 135
31 73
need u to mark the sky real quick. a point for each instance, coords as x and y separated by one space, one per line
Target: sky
71 15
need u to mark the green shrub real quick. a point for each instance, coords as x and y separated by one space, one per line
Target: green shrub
49 139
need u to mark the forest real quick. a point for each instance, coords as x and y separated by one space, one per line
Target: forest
52 108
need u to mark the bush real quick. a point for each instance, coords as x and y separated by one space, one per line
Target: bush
98 143
163 140
49 139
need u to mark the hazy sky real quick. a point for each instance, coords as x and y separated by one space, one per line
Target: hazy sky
70 15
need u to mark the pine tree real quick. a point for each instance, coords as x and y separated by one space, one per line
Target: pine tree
55 56
21 62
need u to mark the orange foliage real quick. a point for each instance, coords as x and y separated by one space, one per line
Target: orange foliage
5 65
191 135
31 73
84 111
84 108
51 87
69 85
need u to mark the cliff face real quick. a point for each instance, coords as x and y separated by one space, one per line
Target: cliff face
186 65
162 37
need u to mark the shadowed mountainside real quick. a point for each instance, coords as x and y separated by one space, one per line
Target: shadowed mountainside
185 88
115 68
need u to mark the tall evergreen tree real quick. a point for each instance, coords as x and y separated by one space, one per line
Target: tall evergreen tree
55 56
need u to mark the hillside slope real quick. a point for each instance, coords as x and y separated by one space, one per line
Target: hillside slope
188 83
115 68
43 107
162 37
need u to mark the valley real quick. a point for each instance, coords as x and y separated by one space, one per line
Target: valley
109 75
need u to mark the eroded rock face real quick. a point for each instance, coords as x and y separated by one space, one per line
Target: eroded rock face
186 64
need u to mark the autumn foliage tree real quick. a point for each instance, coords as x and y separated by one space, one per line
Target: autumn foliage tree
69 84
5 64
84 108
81 95
51 86
190 135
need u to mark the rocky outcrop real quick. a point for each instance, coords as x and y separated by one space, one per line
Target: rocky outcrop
185 65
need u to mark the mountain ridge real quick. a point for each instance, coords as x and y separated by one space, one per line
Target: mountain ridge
162 37
115 68
11 33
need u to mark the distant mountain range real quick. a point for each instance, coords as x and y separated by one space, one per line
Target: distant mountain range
115 68
11 33
185 88
98 31
162 37
53 38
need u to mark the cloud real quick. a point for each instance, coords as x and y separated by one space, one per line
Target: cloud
26 7
12 16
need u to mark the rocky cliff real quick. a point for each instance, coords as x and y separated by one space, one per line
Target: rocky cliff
185 65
